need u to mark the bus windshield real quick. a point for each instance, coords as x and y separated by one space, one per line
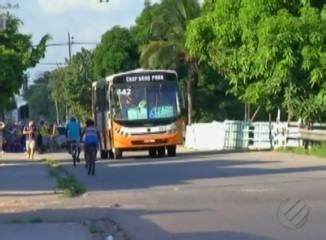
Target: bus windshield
146 102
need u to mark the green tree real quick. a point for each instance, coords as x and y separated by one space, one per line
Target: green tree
117 52
211 99
57 88
272 52
77 84
143 31
166 48
38 98
71 85
17 54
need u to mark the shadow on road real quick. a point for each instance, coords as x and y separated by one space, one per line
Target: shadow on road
25 176
134 222
142 174
131 173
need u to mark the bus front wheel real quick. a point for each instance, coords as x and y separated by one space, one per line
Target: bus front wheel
161 151
172 150
152 152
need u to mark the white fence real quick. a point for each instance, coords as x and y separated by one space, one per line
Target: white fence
230 135
208 136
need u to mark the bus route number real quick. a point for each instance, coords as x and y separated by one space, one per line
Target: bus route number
124 91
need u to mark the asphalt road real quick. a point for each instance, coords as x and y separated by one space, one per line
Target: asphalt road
194 196
204 196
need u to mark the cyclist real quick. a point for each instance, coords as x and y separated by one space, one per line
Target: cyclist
92 140
73 133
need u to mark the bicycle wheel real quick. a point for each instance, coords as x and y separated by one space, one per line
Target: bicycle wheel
74 155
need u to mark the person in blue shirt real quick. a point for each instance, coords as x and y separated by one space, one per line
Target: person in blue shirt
92 140
73 133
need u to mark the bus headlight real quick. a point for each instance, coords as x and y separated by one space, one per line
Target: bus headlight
124 132
172 128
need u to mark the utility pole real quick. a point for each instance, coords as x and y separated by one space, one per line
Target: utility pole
69 46
70 42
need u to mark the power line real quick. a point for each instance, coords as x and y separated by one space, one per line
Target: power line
52 63
59 44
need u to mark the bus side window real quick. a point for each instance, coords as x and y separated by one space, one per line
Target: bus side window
107 96
97 98
100 99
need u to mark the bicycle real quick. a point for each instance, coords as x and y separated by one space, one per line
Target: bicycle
74 151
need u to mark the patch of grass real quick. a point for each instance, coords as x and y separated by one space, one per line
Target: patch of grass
95 229
36 220
70 186
65 181
314 150
50 162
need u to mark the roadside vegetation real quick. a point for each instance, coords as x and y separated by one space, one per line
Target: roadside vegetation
314 150
65 181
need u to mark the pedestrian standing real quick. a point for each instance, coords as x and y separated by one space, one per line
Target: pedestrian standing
30 132
53 131
45 136
92 141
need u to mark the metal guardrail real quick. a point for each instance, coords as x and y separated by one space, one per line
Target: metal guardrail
312 135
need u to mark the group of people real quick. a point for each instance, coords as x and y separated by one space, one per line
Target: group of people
33 137
41 138
13 138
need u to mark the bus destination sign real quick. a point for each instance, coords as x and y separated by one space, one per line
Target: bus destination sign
145 77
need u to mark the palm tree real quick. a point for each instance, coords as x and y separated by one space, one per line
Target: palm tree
169 51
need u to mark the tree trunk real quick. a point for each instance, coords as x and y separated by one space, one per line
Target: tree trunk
255 113
289 117
306 142
270 129
67 113
248 113
245 112
57 111
189 98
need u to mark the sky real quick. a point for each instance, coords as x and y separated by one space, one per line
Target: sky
85 20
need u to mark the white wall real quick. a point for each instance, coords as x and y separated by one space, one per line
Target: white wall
229 135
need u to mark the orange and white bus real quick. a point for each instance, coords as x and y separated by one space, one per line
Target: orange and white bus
139 110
